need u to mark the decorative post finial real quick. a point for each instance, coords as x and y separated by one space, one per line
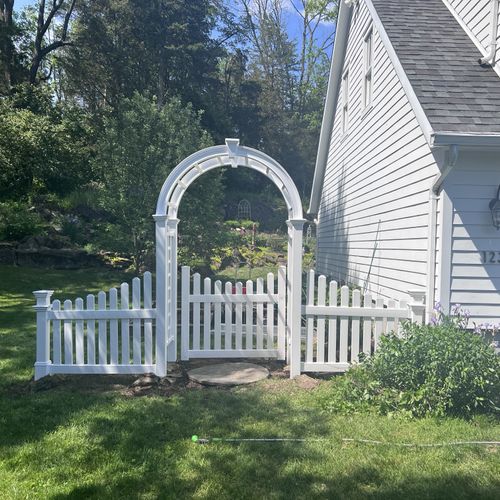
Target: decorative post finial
232 151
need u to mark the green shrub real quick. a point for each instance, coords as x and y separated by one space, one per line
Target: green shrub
435 370
241 223
17 221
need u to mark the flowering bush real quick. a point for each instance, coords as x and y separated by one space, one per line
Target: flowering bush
458 317
437 369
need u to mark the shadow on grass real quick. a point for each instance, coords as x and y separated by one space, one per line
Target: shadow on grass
76 441
145 449
351 487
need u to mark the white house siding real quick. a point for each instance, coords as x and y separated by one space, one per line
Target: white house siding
475 284
476 15
381 170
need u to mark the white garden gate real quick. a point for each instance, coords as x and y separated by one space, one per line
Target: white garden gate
240 320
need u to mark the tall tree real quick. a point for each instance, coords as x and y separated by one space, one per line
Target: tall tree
44 146
6 44
163 47
314 50
47 20
140 145
292 76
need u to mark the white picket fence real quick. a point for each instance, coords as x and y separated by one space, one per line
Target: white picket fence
117 333
241 320
336 333
117 336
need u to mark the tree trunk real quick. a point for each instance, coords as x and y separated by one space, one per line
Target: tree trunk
35 65
43 24
161 81
7 48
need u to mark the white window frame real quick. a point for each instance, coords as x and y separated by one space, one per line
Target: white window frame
345 100
368 68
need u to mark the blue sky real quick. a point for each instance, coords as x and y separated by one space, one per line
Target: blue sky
19 4
292 19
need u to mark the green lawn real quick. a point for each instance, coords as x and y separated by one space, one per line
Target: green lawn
88 440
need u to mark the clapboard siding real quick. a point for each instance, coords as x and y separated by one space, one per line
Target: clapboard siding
380 170
474 285
476 14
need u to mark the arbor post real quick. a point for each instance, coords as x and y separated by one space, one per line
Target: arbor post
294 288
43 362
171 336
161 277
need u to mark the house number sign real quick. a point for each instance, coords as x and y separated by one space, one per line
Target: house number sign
490 257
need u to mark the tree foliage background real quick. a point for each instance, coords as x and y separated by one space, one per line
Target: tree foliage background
99 99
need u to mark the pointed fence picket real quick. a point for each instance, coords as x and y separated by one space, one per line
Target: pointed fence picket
336 333
77 347
234 321
115 332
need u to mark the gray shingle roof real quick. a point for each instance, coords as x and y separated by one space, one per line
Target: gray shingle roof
456 93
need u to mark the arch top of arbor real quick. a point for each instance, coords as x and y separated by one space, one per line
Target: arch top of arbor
229 154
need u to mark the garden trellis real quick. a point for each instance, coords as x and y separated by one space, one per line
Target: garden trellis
113 334
244 210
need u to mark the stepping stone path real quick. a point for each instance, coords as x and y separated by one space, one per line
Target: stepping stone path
228 374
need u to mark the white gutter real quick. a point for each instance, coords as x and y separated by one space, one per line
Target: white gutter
470 140
434 193
489 58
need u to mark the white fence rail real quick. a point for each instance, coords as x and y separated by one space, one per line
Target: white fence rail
117 336
242 320
116 332
337 331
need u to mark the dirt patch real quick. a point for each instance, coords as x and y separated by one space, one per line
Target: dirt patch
82 383
150 384
306 382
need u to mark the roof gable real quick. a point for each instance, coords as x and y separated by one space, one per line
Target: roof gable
441 62
436 62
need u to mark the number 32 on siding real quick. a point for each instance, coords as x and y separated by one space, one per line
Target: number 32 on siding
490 257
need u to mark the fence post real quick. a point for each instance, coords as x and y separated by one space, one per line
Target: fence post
417 306
171 225
43 362
161 277
294 305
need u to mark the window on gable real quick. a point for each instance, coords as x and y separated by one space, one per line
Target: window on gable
345 101
368 57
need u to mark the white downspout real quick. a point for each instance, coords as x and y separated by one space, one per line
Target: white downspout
489 58
434 193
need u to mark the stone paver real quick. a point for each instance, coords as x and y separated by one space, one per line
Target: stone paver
228 374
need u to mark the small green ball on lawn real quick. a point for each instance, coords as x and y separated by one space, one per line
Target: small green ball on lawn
194 438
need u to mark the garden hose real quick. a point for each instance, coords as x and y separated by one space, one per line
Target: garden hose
196 439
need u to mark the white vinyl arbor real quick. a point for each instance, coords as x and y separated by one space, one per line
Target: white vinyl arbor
182 176
111 334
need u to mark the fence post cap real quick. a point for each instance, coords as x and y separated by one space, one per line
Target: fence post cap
417 294
296 223
159 218
43 297
41 293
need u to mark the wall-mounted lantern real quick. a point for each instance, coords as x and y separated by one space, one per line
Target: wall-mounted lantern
495 209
